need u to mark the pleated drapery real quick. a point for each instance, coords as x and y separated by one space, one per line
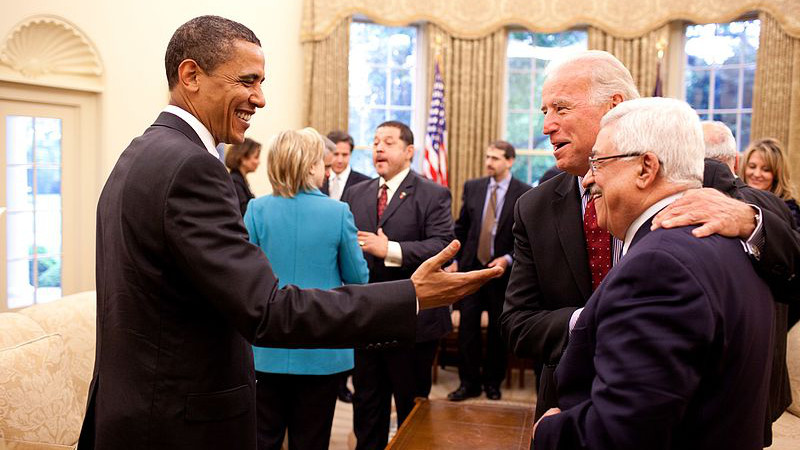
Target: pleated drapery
776 94
326 80
639 55
473 78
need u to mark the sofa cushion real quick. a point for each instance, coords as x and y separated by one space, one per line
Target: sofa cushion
16 328
37 399
73 317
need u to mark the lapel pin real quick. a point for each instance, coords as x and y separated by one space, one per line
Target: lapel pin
402 195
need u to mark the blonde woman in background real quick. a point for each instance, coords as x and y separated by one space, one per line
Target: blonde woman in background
765 167
310 239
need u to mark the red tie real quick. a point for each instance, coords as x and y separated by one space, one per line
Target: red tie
382 201
598 245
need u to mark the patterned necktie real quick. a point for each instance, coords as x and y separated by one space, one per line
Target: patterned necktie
382 200
489 218
333 189
598 245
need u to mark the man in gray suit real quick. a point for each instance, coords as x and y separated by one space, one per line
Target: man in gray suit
181 293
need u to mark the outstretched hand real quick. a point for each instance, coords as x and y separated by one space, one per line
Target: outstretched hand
435 287
715 212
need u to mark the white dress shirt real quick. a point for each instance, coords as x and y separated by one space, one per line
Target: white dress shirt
197 126
338 180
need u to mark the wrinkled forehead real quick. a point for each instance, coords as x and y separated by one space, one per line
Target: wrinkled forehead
568 83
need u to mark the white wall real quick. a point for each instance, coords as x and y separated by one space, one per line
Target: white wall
131 37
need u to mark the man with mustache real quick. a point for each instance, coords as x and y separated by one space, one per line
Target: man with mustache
677 336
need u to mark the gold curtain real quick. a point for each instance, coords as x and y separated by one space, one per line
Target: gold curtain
326 80
640 55
776 94
473 79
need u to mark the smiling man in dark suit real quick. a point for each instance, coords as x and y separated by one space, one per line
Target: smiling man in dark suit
484 227
402 219
678 337
181 293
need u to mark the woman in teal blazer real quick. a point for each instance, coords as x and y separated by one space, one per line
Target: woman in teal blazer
310 240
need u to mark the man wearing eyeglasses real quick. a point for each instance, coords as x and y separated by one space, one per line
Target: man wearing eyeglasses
561 254
677 336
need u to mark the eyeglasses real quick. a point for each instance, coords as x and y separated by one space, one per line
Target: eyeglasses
594 163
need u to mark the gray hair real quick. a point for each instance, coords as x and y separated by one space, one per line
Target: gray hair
607 75
719 142
667 127
330 147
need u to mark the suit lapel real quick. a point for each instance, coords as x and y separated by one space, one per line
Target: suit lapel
508 203
372 205
641 232
405 191
567 214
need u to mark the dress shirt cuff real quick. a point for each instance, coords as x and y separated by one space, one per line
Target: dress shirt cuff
755 243
509 259
574 318
394 255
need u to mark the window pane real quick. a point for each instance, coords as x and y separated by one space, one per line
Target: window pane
730 121
19 139
402 87
519 91
747 86
518 129
20 285
377 87
361 161
403 43
529 168
19 235
48 232
697 87
49 274
402 116
726 89
19 188
745 139
48 183
48 140
376 117
519 63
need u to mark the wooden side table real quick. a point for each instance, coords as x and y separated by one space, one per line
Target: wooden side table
443 425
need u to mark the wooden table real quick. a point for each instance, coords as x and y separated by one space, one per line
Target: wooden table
442 425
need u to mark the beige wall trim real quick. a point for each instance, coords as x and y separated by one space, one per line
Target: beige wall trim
621 18
50 51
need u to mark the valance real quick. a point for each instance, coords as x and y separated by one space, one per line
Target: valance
478 18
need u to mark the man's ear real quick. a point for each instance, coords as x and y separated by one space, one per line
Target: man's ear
188 72
616 99
410 151
648 170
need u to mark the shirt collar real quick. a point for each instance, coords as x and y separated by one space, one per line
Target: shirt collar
342 176
648 213
395 181
502 184
197 126
581 189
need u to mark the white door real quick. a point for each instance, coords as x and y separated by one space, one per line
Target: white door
36 181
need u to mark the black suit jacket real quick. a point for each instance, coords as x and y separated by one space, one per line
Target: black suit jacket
550 277
181 295
419 218
470 220
243 193
719 176
352 179
668 351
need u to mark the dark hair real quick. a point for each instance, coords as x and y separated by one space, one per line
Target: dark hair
405 133
208 40
237 152
506 147
340 136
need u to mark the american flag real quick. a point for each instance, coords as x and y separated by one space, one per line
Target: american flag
434 166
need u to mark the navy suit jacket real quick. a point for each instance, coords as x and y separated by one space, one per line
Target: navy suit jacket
669 353
353 179
419 218
181 295
470 219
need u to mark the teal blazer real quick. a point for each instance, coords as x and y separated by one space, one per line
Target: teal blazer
311 242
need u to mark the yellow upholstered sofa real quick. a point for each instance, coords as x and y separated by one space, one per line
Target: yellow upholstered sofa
46 361
786 431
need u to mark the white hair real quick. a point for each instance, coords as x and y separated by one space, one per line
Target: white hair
719 142
667 127
330 147
607 75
